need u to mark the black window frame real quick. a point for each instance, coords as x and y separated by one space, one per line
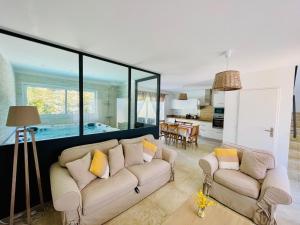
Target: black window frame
81 54
157 98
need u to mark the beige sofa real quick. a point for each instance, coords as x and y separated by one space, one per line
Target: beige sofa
255 199
104 199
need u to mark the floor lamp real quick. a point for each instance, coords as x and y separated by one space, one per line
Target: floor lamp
23 116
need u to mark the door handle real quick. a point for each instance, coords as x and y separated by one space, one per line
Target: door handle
271 131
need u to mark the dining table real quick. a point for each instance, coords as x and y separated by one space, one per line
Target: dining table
184 132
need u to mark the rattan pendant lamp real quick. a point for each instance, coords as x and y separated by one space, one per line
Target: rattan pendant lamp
228 80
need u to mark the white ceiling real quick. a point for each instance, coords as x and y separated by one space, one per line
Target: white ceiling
28 56
181 39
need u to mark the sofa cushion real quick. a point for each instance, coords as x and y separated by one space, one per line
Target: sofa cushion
133 154
79 170
159 144
136 140
268 156
253 165
71 154
238 182
99 165
149 137
116 159
148 171
102 191
227 158
149 150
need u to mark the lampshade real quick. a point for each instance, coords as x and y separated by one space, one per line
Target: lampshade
20 116
228 80
182 96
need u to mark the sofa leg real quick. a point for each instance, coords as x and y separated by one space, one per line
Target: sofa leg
172 178
207 184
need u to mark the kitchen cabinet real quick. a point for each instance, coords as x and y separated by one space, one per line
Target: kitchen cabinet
206 130
177 104
189 106
218 99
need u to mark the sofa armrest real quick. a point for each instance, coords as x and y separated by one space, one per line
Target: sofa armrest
209 164
276 187
169 155
65 193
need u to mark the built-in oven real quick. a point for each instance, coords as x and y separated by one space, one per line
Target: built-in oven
218 118
218 123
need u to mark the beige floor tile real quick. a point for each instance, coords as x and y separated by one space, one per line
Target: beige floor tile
169 198
145 212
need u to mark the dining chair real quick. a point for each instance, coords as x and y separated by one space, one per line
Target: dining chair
173 133
163 130
193 137
183 135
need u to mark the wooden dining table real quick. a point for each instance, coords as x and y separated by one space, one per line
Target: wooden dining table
184 132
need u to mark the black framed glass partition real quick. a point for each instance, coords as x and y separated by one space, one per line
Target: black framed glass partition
105 96
76 93
38 75
145 94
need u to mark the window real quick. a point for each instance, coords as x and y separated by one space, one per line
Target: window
47 100
48 77
89 102
111 82
162 110
59 101
144 102
146 107
72 101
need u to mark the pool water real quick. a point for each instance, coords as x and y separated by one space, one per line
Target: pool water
67 130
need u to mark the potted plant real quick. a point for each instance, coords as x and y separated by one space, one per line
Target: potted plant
202 202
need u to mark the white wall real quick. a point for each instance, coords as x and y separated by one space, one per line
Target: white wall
230 117
7 96
281 78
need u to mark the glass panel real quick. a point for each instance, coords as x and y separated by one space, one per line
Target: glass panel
42 76
49 101
162 110
144 92
105 96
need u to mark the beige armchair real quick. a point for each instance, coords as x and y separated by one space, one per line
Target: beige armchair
255 199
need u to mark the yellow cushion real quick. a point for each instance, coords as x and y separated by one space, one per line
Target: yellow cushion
99 165
227 158
149 150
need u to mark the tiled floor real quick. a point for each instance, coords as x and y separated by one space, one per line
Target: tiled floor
188 180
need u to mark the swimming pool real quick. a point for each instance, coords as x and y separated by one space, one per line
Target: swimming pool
45 132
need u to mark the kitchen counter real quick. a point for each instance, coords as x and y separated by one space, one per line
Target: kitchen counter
183 118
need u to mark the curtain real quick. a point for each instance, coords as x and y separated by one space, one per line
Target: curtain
141 95
162 97
146 102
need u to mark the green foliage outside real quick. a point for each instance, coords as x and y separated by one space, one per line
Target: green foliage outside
53 101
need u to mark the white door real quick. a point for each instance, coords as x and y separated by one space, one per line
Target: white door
257 119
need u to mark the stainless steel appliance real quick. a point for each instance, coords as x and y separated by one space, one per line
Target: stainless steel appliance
218 118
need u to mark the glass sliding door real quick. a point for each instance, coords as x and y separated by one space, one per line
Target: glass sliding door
145 95
42 76
105 96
